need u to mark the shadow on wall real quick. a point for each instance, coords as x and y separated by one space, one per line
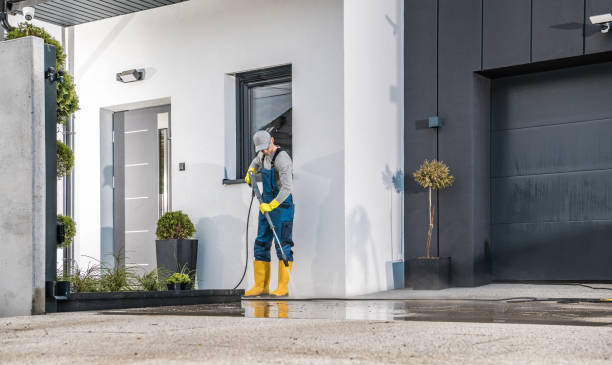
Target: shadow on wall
112 34
362 256
394 183
217 270
319 227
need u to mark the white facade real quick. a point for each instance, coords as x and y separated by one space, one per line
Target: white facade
347 127
373 141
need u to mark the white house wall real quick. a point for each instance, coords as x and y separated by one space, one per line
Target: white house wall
373 138
187 50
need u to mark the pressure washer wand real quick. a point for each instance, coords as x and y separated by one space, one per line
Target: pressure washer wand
267 215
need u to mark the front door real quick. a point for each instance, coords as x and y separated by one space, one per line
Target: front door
141 182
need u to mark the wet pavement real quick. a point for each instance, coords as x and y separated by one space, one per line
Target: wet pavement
334 332
518 311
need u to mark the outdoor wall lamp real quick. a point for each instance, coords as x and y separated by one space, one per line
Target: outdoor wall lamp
435 122
603 20
131 75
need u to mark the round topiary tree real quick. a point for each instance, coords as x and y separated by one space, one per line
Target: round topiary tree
69 229
67 99
65 160
174 225
433 175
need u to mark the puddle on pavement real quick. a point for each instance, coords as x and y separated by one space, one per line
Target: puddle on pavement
552 313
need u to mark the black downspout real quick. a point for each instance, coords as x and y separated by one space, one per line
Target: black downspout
51 180
4 16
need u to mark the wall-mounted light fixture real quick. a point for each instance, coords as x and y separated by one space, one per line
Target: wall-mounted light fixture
435 122
131 75
603 20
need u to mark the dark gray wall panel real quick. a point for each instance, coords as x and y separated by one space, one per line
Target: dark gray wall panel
551 97
552 251
506 33
458 103
594 40
420 62
481 155
557 29
543 150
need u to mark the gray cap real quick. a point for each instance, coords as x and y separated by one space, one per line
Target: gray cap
261 139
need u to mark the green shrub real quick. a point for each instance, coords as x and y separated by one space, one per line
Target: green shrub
65 160
150 281
118 277
174 225
85 281
69 229
67 99
27 29
179 278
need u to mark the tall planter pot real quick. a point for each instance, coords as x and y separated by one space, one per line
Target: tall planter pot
429 274
174 254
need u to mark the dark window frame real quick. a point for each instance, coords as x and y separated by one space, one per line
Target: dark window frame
244 82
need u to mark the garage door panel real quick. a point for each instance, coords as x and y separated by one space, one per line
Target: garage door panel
545 149
554 97
553 198
551 175
552 251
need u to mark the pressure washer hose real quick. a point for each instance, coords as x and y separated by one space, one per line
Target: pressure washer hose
246 261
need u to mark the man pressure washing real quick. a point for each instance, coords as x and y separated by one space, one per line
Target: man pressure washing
277 177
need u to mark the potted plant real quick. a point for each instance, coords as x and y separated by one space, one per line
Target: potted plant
179 281
174 248
430 272
66 229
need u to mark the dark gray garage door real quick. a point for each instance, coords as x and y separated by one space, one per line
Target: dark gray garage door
551 175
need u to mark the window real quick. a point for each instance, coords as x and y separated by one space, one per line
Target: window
264 102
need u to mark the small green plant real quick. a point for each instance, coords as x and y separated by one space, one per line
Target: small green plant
65 160
85 281
117 277
174 225
433 175
150 281
69 229
179 278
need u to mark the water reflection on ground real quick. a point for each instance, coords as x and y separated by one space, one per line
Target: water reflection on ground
581 313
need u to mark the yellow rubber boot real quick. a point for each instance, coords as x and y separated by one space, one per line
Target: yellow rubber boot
283 279
262 279
266 290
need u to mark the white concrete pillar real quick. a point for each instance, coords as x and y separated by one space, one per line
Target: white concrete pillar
22 178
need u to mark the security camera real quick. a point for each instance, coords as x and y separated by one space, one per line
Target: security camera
28 13
603 20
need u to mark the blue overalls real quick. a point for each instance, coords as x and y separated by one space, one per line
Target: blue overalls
282 218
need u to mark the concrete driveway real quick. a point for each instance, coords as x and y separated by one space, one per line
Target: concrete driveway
326 332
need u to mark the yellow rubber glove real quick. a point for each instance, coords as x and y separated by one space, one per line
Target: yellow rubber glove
268 207
247 178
